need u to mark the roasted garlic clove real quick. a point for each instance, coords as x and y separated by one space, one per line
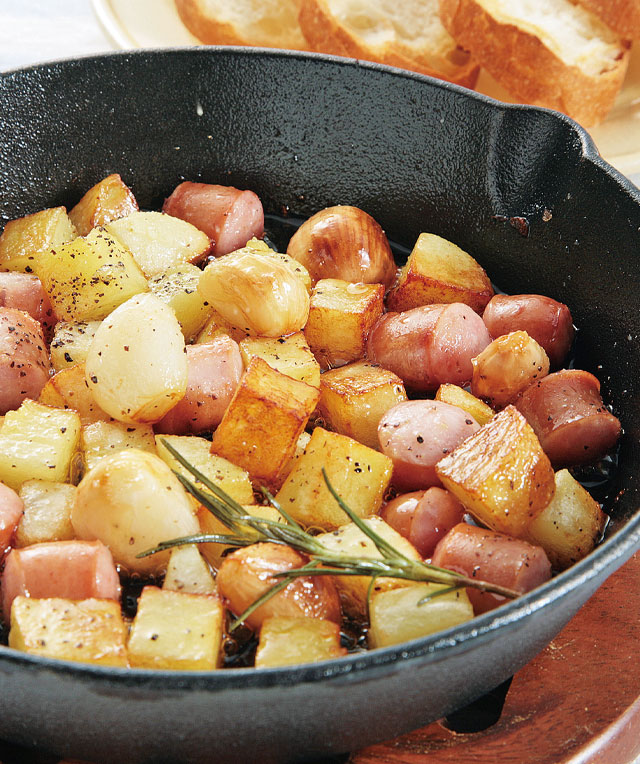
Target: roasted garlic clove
344 243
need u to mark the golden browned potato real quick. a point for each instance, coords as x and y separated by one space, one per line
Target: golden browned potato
340 318
260 428
289 355
291 641
438 271
68 389
24 238
458 396
500 474
47 512
106 201
353 399
71 342
359 474
88 631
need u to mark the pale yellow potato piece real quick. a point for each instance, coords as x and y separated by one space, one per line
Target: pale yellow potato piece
136 367
131 501
341 315
291 641
354 398
396 616
102 439
71 342
68 389
458 396
500 473
188 572
351 541
108 200
261 426
438 271
158 241
89 277
38 442
176 630
23 239
289 355
570 526
87 631
47 512
178 288
359 474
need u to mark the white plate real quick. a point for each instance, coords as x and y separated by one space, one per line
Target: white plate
155 23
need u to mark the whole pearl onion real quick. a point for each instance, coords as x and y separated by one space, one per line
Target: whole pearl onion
344 243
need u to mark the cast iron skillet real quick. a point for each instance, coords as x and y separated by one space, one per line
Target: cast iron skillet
522 189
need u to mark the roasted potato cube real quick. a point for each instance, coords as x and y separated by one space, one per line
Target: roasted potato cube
350 540
47 512
438 271
359 474
188 572
38 442
260 428
209 523
87 631
396 616
570 526
500 473
24 238
89 277
178 287
289 355
458 396
197 451
68 389
290 641
176 630
106 201
71 342
158 241
341 315
101 439
353 399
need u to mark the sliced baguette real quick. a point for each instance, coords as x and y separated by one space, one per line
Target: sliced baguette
544 52
405 34
263 23
623 16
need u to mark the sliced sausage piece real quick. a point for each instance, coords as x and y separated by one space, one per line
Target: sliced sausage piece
24 361
246 574
11 509
213 373
430 345
549 322
228 216
567 414
417 434
424 517
24 291
75 570
492 557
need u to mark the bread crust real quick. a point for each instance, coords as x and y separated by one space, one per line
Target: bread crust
522 64
326 34
623 16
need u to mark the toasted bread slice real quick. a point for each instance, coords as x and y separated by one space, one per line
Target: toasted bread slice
544 52
623 16
405 34
264 23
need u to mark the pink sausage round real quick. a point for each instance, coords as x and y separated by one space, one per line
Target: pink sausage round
424 517
228 216
213 372
430 345
76 570
492 557
24 361
549 322
11 509
567 414
24 291
417 434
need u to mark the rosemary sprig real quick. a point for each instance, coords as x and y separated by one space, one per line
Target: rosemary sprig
247 529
